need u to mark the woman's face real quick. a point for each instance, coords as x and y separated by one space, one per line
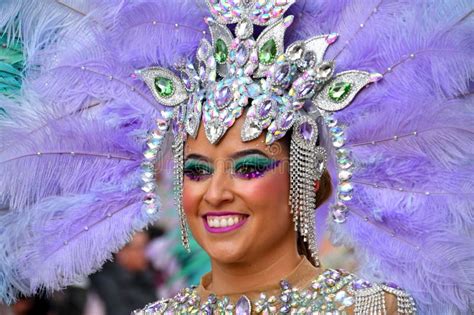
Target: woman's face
236 196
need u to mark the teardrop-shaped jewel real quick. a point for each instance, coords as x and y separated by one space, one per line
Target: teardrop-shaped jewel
265 108
188 84
223 97
204 49
324 71
296 51
306 131
251 131
339 91
164 86
305 89
221 51
281 73
243 306
242 55
286 120
244 29
267 52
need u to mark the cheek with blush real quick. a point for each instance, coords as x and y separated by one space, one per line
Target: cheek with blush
268 192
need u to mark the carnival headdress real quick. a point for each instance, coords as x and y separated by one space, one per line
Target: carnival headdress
80 144
233 73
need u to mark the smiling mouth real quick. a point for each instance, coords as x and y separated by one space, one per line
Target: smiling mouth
224 223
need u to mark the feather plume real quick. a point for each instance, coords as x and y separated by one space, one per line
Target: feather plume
411 140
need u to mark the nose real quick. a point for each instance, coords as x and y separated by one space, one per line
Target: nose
219 190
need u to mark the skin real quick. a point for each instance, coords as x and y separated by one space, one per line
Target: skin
263 250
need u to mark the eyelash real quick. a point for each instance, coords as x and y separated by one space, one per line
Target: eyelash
246 170
256 170
196 172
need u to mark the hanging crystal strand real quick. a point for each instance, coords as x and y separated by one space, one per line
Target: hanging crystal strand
178 157
303 170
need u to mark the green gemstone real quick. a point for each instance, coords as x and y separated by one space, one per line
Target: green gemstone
221 51
267 52
164 86
339 91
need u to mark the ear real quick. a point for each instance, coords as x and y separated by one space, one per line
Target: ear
316 186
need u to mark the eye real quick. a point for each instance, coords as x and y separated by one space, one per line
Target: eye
197 172
250 168
254 167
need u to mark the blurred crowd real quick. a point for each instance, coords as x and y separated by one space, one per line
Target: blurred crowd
127 283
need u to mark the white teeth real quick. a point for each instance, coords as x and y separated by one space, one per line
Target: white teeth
223 221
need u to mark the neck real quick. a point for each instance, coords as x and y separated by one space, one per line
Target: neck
265 270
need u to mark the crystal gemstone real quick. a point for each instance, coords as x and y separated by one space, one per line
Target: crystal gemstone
265 108
267 52
304 89
339 91
243 306
164 86
281 73
223 96
287 120
221 51
306 131
324 71
242 55
187 81
244 29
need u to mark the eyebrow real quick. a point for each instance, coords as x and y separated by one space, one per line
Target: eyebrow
234 156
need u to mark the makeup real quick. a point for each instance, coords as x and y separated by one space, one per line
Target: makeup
253 166
197 170
222 222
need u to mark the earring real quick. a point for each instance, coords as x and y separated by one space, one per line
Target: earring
307 162
178 169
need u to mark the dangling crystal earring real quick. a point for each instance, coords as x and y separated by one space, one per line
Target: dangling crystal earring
307 164
178 159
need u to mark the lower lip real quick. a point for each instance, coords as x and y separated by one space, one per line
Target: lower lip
223 229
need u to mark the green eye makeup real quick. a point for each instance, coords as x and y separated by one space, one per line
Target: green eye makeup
197 170
253 166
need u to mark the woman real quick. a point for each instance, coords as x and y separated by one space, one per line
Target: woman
253 119
236 202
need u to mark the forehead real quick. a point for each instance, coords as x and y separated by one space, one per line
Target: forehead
232 143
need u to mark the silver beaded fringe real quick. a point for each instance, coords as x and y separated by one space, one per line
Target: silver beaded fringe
306 166
178 159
